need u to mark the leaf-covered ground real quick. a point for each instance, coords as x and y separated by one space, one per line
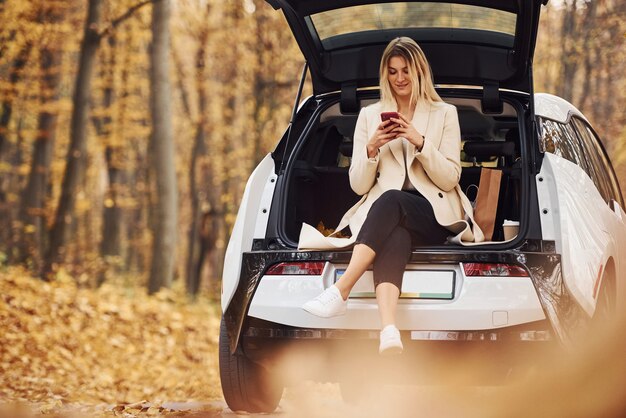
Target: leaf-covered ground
113 350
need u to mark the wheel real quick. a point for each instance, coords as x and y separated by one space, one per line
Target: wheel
605 307
246 386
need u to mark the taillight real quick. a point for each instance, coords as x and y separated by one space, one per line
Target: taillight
494 269
294 268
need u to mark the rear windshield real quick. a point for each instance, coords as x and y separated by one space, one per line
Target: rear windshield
411 15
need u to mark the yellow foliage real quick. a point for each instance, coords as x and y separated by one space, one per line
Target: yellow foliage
61 345
328 231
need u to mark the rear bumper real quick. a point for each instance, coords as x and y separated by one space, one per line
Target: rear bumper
258 330
435 357
558 306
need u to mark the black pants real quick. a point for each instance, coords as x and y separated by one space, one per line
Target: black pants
397 221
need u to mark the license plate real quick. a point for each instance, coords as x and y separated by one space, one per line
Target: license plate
416 284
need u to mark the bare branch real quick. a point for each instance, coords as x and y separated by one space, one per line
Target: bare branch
120 19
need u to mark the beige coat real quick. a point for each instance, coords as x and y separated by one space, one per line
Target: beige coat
434 172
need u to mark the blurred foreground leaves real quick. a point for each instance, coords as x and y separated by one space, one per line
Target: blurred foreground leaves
60 345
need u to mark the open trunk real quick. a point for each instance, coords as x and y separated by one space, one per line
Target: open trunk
484 45
316 184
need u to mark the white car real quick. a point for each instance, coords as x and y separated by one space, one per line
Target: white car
563 268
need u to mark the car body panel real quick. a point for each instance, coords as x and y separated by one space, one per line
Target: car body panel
619 259
548 204
250 223
480 303
553 107
582 222
487 56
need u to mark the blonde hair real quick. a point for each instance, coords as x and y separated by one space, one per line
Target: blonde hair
422 86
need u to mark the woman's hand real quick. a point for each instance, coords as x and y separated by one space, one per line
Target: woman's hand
383 134
406 129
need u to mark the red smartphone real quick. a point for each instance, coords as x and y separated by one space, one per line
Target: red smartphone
388 115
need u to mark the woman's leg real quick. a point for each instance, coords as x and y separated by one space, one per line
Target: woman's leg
383 217
362 258
387 295
417 227
389 269
392 209
388 212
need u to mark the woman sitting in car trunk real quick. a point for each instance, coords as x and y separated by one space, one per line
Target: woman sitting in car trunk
407 168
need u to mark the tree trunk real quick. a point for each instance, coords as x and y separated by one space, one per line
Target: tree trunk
259 88
7 102
112 214
589 52
209 234
135 179
569 56
136 257
613 72
613 105
8 175
74 170
111 238
180 82
34 196
195 254
228 185
165 208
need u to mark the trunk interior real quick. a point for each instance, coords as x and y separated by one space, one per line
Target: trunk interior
317 184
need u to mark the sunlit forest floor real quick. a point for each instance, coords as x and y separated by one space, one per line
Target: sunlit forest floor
67 351
112 351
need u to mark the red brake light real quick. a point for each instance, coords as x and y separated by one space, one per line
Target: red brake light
494 269
295 268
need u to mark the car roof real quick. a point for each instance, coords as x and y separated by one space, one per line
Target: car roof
556 108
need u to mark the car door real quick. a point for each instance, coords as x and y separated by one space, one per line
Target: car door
576 210
605 180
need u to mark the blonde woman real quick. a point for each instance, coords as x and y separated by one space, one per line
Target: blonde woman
407 168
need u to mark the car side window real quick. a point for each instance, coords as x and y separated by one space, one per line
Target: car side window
561 140
601 170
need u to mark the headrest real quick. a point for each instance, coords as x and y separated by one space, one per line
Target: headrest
349 103
482 149
512 134
345 148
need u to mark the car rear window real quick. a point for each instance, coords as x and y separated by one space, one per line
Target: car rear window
370 17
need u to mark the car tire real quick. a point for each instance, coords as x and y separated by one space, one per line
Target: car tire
605 306
246 386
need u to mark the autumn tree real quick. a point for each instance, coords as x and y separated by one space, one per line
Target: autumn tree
201 234
235 94
16 51
76 153
164 227
35 194
110 248
580 55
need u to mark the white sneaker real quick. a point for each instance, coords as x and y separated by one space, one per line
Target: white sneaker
329 303
390 342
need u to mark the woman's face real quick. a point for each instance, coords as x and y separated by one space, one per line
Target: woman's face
398 76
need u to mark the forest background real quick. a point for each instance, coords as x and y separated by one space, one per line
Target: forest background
126 120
